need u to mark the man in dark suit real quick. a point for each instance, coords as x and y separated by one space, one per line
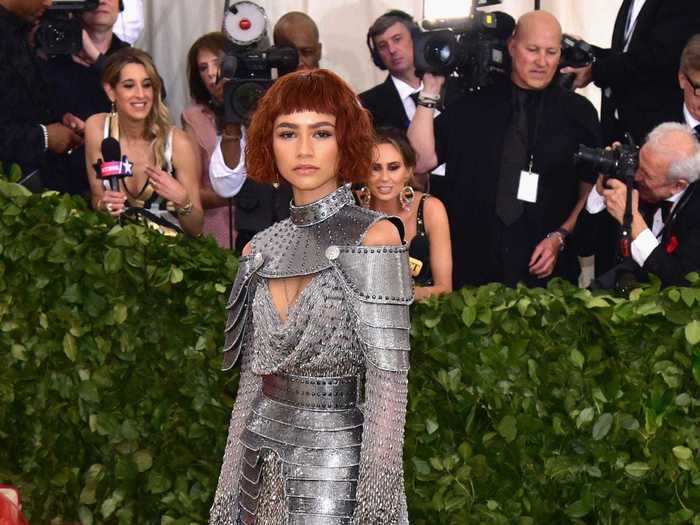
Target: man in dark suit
511 190
637 75
665 228
599 235
391 47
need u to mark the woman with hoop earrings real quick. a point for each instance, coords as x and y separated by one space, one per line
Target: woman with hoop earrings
389 191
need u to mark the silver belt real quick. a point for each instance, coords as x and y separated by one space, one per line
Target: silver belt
316 393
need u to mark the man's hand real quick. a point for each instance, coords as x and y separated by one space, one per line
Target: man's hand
615 196
74 123
584 75
432 84
89 53
544 257
62 138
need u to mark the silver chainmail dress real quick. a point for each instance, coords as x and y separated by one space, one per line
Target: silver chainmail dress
316 434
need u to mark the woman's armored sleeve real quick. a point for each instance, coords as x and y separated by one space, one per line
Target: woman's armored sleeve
380 290
238 334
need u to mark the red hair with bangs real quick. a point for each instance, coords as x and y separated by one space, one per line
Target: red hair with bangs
321 91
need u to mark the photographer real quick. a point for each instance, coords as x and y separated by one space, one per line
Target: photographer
512 193
665 229
77 89
258 205
29 126
637 75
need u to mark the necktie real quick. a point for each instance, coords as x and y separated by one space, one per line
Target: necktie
648 211
513 161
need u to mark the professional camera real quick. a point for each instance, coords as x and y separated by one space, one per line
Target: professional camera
619 163
250 61
60 31
574 53
472 49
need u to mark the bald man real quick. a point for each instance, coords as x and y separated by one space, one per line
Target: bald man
512 191
298 30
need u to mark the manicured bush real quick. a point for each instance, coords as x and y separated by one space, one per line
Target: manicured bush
526 406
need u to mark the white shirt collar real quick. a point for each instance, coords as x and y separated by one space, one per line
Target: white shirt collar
404 89
689 119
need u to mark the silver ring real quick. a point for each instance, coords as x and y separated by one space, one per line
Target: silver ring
109 207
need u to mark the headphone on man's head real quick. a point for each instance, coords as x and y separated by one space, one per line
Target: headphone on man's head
403 15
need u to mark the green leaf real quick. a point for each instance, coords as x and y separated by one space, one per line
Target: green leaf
176 275
468 315
638 469
602 426
577 358
585 416
70 347
579 509
113 260
143 460
508 428
692 332
431 425
682 452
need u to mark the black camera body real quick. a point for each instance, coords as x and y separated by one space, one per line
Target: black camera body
250 75
473 49
620 163
60 31
574 53
250 63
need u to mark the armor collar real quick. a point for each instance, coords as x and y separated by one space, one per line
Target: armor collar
322 209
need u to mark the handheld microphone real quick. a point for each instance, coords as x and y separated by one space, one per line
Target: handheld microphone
112 166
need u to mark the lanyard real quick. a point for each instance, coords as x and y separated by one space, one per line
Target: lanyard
532 141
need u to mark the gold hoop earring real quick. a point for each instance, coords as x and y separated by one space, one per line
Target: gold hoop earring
364 195
406 197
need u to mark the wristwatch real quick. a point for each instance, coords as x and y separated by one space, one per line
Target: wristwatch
184 210
561 233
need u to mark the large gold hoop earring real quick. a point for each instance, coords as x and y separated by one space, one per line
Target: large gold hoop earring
406 197
364 195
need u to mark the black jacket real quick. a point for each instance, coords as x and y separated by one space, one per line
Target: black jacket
469 137
385 105
24 96
644 80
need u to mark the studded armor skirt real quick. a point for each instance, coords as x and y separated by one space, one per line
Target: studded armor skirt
305 433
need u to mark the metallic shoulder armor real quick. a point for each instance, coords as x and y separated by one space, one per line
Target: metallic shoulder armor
380 289
238 307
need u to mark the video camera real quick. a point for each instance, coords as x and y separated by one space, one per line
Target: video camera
619 163
472 49
249 62
60 31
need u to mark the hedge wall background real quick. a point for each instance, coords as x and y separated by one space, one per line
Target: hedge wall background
526 406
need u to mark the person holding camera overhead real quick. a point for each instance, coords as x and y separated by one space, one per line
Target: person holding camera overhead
512 191
258 205
29 125
165 180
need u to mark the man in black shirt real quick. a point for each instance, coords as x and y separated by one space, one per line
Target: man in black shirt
512 191
78 92
29 127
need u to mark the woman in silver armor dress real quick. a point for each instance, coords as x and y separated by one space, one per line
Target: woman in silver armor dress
318 316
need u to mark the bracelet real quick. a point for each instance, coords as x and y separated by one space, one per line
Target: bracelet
184 210
45 132
561 233
429 98
426 104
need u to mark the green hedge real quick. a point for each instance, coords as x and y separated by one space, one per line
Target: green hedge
526 406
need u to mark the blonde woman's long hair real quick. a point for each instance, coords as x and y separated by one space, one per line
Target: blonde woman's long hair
158 121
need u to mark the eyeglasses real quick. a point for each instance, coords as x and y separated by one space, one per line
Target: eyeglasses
696 87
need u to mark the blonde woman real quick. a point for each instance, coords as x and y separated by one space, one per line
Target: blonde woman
165 178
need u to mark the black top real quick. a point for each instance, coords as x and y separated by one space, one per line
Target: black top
78 90
469 137
644 80
419 248
24 103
